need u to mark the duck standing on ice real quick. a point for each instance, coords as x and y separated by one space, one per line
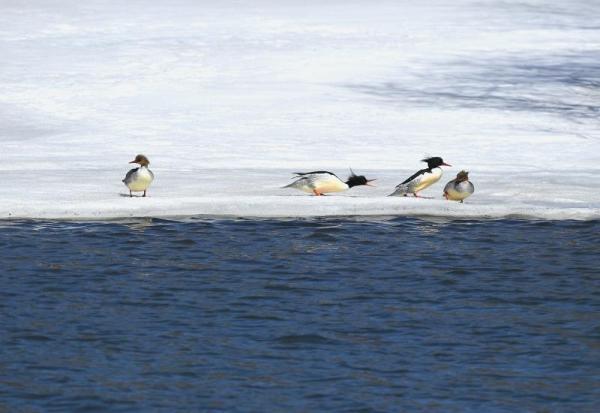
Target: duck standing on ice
459 188
322 182
139 179
421 179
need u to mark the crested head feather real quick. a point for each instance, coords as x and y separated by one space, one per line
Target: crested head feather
141 160
433 162
356 180
462 176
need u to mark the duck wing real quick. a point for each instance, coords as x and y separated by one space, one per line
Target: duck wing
414 176
312 179
409 184
312 173
129 176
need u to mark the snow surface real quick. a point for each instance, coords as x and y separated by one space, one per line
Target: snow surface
228 98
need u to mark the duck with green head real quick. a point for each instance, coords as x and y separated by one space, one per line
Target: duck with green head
422 178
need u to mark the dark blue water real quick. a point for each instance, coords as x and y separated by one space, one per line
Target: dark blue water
335 315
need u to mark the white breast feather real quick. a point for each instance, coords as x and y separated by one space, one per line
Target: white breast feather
321 182
425 180
139 180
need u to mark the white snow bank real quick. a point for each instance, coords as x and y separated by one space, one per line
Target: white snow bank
257 193
228 98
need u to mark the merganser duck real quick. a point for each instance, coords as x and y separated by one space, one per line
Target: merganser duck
139 179
421 179
322 182
460 188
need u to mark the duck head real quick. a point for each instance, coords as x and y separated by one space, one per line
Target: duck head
434 162
142 160
356 180
462 176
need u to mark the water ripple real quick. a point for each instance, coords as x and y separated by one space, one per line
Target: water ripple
309 314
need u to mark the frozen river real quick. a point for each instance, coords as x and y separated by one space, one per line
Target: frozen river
227 99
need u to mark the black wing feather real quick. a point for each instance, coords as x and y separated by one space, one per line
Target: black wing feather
131 172
313 172
421 172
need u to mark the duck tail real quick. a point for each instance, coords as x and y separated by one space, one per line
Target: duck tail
292 185
400 190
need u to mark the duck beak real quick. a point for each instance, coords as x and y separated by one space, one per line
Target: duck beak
370 180
445 164
133 161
